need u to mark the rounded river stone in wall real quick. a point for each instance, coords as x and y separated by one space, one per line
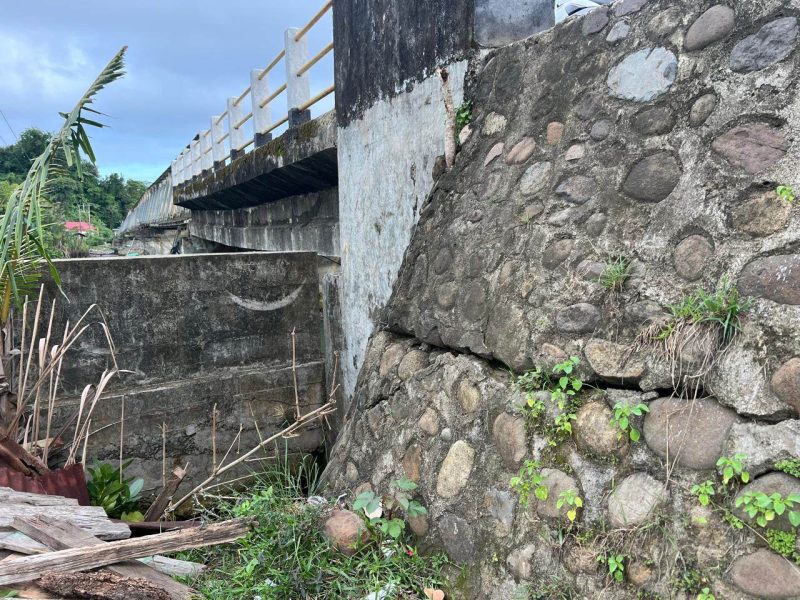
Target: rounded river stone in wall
556 482
692 432
458 538
773 42
762 215
595 21
653 178
692 256
702 109
557 252
601 130
644 75
765 574
654 121
786 383
578 189
595 433
775 278
596 224
628 7
635 499
536 178
713 25
754 146
578 318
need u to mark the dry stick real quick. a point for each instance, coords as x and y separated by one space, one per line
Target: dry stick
22 349
44 344
300 423
30 568
85 445
34 333
163 453
52 402
294 376
160 504
214 438
121 435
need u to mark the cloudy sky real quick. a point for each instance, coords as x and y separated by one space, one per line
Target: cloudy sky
185 57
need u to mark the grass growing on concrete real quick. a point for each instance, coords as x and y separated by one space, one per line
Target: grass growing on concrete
287 556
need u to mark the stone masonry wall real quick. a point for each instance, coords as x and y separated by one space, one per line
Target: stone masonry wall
655 132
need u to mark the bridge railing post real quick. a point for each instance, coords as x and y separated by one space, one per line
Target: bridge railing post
206 161
218 140
235 134
174 173
298 89
262 115
187 164
195 157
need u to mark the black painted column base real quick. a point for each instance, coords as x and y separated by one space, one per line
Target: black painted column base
262 139
298 117
236 154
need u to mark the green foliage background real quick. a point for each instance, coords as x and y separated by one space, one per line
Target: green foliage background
110 198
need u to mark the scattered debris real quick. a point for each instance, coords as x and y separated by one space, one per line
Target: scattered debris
160 504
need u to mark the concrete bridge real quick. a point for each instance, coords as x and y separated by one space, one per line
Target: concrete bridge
348 184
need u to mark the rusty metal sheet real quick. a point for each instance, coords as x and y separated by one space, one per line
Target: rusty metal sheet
69 482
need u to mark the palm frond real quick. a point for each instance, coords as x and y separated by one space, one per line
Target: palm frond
21 227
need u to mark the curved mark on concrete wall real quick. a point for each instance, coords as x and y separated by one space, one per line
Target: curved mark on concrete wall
260 306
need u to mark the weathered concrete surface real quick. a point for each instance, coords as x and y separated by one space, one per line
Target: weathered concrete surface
308 223
386 161
501 22
196 331
300 161
149 241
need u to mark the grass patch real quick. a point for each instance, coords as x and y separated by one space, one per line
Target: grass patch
287 556
615 274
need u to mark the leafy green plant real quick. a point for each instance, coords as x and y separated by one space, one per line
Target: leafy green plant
463 117
119 496
733 466
764 508
571 499
563 394
530 480
784 543
622 419
790 466
615 564
732 520
786 192
704 491
723 308
705 594
381 512
615 273
530 384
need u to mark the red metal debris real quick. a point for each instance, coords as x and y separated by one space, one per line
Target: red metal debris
69 482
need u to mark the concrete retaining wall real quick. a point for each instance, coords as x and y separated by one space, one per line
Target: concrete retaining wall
196 331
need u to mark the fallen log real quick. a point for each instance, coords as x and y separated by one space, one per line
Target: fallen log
101 585
160 504
61 536
30 568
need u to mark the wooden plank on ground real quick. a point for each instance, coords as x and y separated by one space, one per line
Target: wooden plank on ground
173 566
30 568
14 497
92 519
15 541
61 536
159 505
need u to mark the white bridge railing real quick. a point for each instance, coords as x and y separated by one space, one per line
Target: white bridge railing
248 122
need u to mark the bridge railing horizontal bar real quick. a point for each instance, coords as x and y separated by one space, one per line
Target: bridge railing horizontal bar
230 136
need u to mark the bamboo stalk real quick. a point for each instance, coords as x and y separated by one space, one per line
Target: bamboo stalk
309 103
313 20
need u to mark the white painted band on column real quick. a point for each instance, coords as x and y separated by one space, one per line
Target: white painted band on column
298 89
235 114
259 91
174 172
218 143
